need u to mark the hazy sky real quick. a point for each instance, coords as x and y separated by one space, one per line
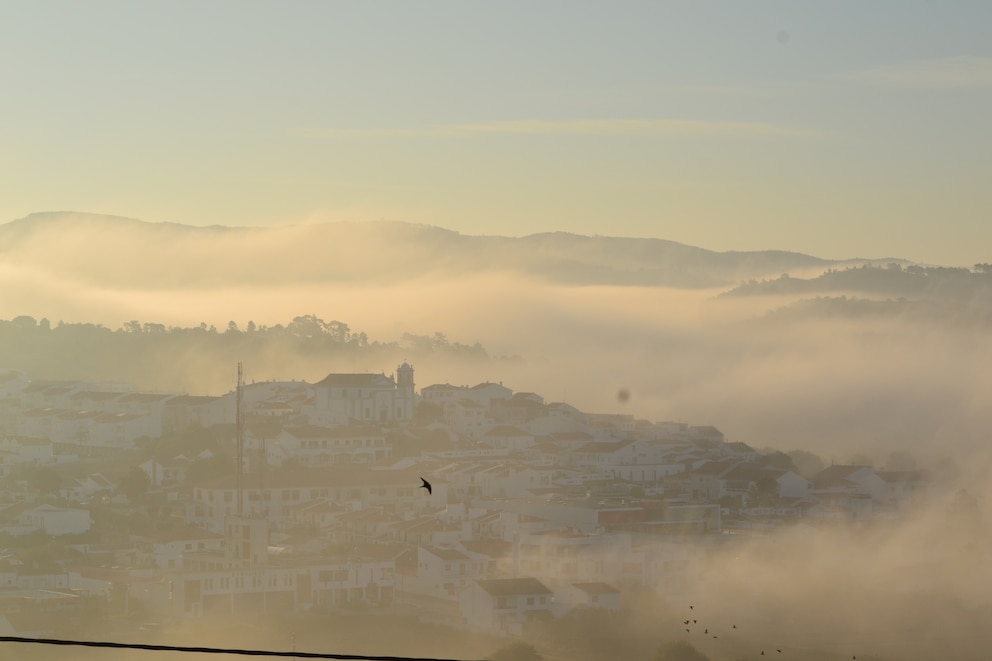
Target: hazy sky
840 129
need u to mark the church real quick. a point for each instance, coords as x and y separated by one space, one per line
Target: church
366 398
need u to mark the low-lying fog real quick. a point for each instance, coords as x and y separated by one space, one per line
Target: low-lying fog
844 387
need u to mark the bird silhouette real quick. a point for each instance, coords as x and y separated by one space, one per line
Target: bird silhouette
735 626
779 651
426 485
685 622
706 630
690 606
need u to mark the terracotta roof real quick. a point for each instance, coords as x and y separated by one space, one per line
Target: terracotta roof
144 397
603 447
835 475
739 446
446 554
94 395
753 472
572 436
335 476
596 588
354 381
507 430
893 477
341 431
181 534
193 399
505 587
494 548
717 468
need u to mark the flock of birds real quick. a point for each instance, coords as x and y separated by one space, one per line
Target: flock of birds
693 621
688 622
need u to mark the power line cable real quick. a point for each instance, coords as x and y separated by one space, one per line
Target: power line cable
211 650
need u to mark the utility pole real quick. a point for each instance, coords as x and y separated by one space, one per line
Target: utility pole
239 431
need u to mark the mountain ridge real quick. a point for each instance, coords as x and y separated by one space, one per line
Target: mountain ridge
89 246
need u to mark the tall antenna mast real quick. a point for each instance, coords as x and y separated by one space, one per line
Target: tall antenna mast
239 425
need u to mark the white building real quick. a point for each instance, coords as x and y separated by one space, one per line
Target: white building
594 594
164 549
315 446
21 519
341 398
505 605
482 394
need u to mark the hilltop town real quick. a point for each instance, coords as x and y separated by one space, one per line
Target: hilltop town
307 498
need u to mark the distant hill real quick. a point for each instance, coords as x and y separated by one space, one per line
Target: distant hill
111 250
947 296
911 282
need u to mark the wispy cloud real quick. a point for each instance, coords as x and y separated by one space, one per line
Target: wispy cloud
588 127
947 73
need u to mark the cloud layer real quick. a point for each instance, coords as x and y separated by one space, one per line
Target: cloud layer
963 72
646 127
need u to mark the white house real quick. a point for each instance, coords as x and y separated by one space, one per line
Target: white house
164 549
12 383
170 471
466 416
369 398
268 494
851 479
594 594
185 411
443 572
30 451
505 605
906 488
509 437
482 394
85 488
21 518
600 454
321 446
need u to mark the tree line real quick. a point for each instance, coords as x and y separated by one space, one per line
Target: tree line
155 355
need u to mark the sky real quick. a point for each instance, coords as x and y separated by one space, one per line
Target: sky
841 129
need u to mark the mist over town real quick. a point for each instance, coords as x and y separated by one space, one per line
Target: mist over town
516 331
601 454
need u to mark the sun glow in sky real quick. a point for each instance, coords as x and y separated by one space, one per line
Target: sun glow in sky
842 129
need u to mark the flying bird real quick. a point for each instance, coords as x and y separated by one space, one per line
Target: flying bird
426 485
735 626
685 622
